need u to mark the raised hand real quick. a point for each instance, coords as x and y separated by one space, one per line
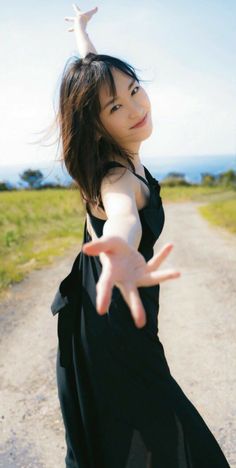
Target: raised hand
123 266
81 18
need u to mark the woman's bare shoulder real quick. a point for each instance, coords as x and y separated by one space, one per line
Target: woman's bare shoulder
120 187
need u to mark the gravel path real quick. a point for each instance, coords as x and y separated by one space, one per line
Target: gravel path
197 326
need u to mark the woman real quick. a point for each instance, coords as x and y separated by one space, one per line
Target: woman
120 404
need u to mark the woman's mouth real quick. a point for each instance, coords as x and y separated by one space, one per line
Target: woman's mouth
140 123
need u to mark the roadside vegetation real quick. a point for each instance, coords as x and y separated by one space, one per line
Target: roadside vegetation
35 227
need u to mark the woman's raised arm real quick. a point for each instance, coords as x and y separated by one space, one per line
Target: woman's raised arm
80 21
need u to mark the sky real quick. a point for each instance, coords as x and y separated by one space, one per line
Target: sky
184 48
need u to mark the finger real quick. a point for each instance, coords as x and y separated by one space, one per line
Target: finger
101 245
91 12
69 18
131 296
156 277
104 291
70 29
76 8
95 247
157 259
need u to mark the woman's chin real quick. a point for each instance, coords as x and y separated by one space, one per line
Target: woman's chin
146 134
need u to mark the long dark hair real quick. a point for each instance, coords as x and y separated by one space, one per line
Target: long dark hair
84 154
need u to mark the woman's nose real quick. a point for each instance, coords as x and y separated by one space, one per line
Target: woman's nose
136 112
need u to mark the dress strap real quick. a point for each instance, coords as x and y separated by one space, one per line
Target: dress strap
110 164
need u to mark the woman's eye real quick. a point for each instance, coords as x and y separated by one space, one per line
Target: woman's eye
114 108
136 87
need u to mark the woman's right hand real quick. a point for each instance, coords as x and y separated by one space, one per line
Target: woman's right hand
81 19
123 266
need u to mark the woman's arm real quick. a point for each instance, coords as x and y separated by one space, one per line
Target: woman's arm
80 21
119 195
122 264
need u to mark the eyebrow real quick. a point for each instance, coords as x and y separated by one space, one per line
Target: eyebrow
115 99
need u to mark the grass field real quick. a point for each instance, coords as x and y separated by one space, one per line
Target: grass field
196 193
35 227
221 213
39 225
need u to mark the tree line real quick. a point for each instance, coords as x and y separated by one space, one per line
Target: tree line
34 180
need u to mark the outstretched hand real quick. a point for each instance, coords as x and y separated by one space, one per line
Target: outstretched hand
80 18
123 266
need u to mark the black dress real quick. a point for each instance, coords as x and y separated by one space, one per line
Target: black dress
120 404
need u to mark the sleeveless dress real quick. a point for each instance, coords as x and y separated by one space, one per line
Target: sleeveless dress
121 406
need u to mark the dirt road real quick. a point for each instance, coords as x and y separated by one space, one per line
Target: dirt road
197 326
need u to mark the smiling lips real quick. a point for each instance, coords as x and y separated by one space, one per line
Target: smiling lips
141 122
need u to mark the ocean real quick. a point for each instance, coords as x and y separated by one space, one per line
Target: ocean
191 167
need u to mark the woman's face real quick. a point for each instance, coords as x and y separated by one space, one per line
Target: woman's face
130 107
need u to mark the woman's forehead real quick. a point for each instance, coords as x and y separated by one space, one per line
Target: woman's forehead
121 81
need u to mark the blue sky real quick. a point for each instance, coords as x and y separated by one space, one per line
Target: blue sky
185 48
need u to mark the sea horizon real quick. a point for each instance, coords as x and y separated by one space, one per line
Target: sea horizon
191 167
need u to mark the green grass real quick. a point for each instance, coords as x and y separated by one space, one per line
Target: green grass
195 193
35 227
221 213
